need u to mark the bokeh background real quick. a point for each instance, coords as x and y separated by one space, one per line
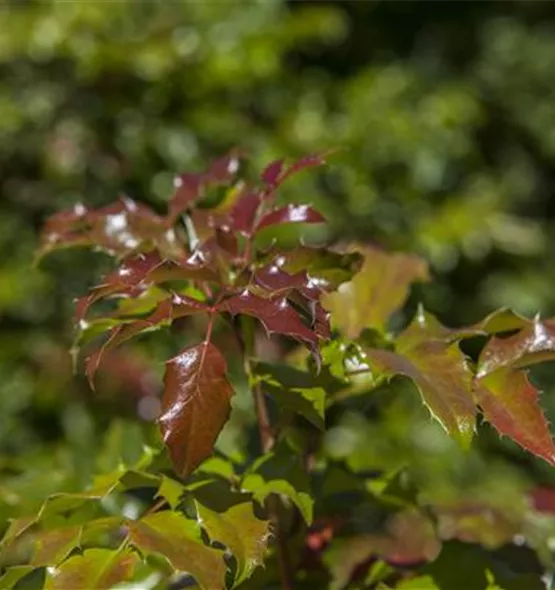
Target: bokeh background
444 114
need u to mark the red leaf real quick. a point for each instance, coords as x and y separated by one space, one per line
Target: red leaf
126 279
190 186
243 214
195 405
276 281
533 344
291 214
276 315
307 162
175 307
510 403
270 175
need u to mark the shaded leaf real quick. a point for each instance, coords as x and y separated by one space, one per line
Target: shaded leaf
12 575
409 539
308 402
95 569
178 540
290 214
195 405
510 403
245 535
280 472
379 289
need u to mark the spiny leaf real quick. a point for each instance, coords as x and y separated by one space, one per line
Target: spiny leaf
290 214
443 378
120 228
379 289
245 535
244 212
189 187
178 540
276 315
510 403
280 472
533 344
173 307
195 405
95 569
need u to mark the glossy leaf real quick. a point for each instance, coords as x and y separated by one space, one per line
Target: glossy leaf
290 214
533 344
510 403
272 172
190 187
245 535
244 212
443 378
95 569
280 472
178 540
195 405
276 315
379 289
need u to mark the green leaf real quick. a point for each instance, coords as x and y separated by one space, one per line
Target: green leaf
178 540
13 574
280 472
418 583
379 289
241 532
309 403
443 378
171 490
95 569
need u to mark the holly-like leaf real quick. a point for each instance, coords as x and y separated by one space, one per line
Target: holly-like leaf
510 403
271 174
178 539
95 569
245 535
379 289
290 214
276 315
121 228
52 547
195 405
443 378
280 472
533 344
190 187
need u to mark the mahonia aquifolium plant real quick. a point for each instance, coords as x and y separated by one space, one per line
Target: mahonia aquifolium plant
209 518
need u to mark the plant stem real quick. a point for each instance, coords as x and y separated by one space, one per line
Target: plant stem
267 440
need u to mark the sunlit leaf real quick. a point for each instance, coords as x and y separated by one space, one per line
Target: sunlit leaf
95 569
290 214
195 405
510 403
379 289
178 540
245 535
443 378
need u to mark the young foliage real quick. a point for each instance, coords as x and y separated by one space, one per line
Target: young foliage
217 520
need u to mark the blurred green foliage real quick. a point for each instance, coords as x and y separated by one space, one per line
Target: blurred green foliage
445 116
